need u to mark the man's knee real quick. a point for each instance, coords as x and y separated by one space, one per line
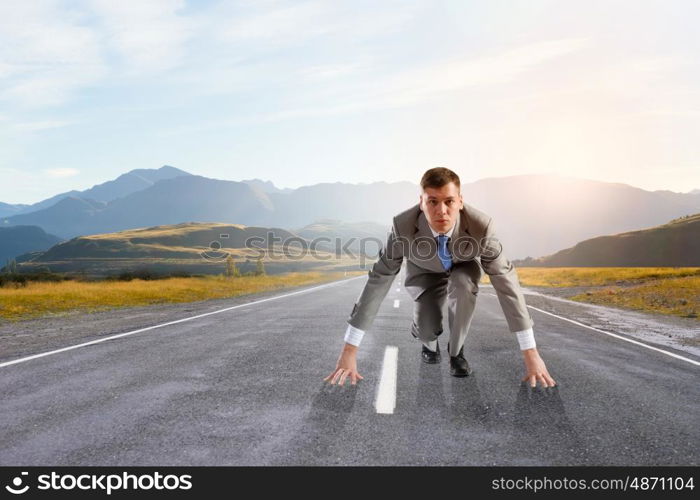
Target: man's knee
427 312
426 326
463 282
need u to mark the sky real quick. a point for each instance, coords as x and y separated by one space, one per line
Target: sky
304 92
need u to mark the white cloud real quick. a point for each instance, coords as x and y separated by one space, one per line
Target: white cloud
61 172
330 71
660 64
282 24
288 23
432 81
49 52
45 53
260 44
395 90
424 83
53 87
148 36
41 125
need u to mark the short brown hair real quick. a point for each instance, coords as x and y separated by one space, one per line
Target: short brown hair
438 177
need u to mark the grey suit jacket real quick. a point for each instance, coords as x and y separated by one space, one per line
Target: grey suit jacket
474 245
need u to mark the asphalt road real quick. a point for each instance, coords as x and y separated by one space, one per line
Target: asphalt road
245 387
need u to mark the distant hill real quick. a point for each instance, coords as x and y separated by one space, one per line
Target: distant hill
169 201
125 184
266 186
18 240
675 244
537 215
8 209
192 246
68 215
377 202
131 182
333 234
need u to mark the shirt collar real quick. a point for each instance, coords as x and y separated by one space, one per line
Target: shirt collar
448 233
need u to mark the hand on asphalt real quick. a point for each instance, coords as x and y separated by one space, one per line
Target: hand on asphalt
344 368
536 370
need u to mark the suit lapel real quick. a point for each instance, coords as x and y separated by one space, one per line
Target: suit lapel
459 237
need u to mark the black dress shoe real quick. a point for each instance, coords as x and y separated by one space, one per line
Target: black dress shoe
430 356
458 365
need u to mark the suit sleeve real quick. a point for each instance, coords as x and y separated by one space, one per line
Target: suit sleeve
379 281
504 279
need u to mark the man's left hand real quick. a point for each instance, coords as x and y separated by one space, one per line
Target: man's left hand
536 369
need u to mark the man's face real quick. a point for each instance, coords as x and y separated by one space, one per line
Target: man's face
441 206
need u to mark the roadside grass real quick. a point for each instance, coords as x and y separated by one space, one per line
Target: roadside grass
36 299
599 276
666 290
676 296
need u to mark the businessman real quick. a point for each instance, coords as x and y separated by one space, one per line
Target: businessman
446 244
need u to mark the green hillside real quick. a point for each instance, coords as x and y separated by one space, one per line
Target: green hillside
676 243
193 247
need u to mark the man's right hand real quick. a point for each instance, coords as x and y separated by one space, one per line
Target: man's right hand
345 367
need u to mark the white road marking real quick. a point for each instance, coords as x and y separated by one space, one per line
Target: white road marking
386 391
20 360
696 363
398 289
396 303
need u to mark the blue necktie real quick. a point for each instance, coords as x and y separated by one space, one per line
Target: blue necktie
443 252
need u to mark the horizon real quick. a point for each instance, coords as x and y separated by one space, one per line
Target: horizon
351 183
310 92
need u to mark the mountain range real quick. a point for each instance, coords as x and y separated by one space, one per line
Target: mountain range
534 215
125 184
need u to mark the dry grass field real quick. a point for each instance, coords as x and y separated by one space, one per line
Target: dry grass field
41 298
676 296
674 291
666 290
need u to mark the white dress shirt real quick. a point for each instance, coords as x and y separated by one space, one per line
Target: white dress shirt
526 338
